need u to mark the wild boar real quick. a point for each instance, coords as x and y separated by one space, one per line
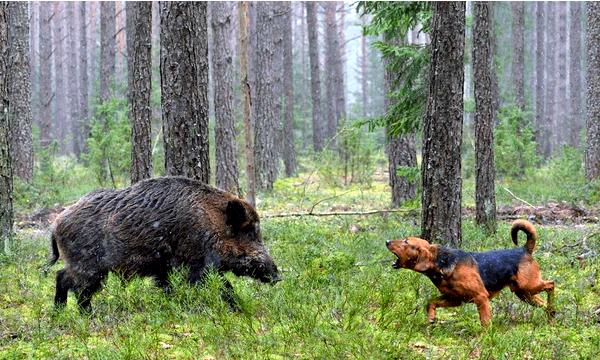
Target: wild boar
152 227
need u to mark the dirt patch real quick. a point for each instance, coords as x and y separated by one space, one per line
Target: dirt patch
553 213
40 218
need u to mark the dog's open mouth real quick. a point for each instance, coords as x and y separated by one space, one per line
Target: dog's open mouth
396 264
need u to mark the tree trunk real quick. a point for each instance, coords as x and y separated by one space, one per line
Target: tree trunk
592 153
245 86
73 90
184 88
539 70
574 73
561 125
339 83
442 128
19 90
550 82
139 65
120 43
84 122
289 152
305 84
93 56
315 82
108 47
485 199
34 49
331 57
400 148
266 125
277 33
363 72
59 75
6 207
46 94
223 68
518 66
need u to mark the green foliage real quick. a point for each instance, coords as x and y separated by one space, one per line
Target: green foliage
409 62
109 155
514 145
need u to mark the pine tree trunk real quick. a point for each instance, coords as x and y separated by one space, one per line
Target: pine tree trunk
84 122
246 93
34 49
59 75
400 148
331 57
108 47
339 69
592 153
139 65
442 127
575 124
363 72
289 152
19 90
72 87
315 81
184 88
485 199
561 126
6 207
550 111
93 56
305 83
540 58
267 122
278 92
518 66
46 94
223 68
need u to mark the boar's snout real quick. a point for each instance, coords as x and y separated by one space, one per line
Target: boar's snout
267 272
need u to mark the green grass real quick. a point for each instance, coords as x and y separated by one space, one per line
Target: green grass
340 298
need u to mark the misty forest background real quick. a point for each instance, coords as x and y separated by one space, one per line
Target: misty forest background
345 124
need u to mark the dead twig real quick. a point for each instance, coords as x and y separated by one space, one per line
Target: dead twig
328 198
340 213
517 198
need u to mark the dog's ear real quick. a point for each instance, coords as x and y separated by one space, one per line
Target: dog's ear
425 261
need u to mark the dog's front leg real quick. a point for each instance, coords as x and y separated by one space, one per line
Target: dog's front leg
441 301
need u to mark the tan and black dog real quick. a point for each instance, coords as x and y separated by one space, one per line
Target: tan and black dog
476 277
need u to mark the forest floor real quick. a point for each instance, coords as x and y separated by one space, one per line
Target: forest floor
340 297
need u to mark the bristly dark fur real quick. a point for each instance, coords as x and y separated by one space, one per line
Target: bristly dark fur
152 227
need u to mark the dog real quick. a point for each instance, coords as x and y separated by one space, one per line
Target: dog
465 277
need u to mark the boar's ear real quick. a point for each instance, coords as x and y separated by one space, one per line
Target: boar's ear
235 214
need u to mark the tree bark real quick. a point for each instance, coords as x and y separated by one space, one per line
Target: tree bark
6 206
72 87
550 82
46 94
400 148
539 71
34 49
518 66
247 101
60 111
139 65
485 199
223 68
561 125
184 88
592 153
289 152
84 122
442 128
339 82
363 72
19 90
331 57
575 89
315 81
108 48
267 122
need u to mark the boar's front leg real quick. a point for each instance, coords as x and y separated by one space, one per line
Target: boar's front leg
198 274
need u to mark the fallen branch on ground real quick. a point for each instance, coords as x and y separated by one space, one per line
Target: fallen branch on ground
341 213
517 198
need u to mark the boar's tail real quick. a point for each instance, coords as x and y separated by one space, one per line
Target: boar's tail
55 254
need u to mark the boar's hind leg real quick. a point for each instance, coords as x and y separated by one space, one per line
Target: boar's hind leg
63 284
86 290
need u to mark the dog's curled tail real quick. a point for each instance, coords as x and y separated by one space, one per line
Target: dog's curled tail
528 229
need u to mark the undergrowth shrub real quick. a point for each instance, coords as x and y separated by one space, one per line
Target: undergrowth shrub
514 145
